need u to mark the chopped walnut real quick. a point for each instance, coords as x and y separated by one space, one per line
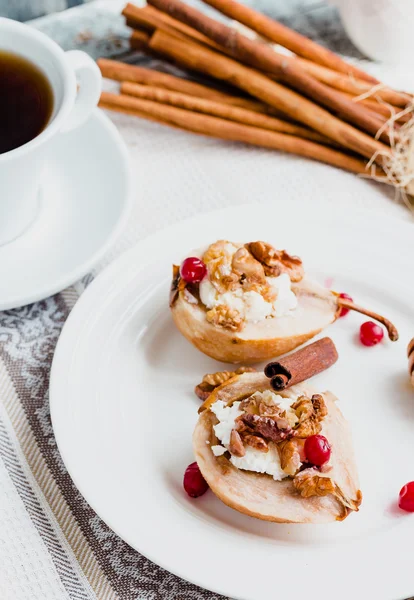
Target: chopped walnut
259 404
250 406
267 427
276 262
218 259
226 317
255 441
309 427
310 412
303 408
215 251
264 404
216 379
203 390
242 427
244 264
212 380
290 453
319 406
311 482
273 411
236 447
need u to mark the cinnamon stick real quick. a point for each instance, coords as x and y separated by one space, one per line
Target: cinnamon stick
198 58
118 71
139 40
370 106
302 364
262 57
228 130
352 88
152 19
280 34
217 109
387 111
353 85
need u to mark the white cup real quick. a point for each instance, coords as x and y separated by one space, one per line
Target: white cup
381 29
76 84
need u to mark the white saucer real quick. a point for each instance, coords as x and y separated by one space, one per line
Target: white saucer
84 202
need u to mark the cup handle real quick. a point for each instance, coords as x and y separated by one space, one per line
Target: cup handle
89 80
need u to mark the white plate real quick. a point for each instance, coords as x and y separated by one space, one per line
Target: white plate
123 412
84 203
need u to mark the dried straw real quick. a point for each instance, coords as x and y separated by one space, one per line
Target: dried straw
398 164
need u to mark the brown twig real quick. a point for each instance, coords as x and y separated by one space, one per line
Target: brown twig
392 330
223 129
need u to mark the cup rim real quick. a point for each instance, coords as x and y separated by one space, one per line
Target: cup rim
69 86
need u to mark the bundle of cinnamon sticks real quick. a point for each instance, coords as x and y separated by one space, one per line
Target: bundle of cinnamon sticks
309 102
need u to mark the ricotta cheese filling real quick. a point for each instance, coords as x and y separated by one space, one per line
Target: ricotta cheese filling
253 460
251 305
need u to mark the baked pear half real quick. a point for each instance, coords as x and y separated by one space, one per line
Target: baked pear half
250 302
251 446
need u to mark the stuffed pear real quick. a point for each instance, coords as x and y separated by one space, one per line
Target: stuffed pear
284 457
250 302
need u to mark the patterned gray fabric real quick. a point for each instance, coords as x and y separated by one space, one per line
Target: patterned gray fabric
28 337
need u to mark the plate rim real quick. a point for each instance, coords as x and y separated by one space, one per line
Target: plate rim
118 266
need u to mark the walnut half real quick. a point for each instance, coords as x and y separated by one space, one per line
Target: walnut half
309 427
290 455
244 264
212 380
276 262
313 483
310 412
303 408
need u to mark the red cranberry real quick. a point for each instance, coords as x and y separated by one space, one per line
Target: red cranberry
317 450
406 501
193 270
194 483
370 333
345 311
